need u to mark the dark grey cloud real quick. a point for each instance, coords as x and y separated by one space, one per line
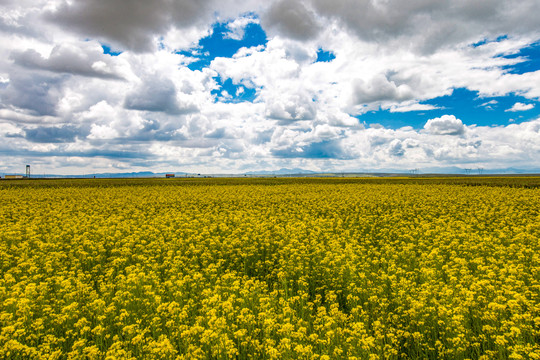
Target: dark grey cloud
157 95
55 134
427 25
68 59
292 19
35 92
374 20
131 24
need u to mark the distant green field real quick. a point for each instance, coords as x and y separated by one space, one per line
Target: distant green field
531 181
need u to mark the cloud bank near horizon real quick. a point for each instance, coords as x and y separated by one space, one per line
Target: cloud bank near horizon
224 87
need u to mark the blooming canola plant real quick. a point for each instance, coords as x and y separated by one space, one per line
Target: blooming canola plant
269 269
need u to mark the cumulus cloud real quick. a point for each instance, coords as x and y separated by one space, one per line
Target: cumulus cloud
53 134
445 125
396 148
337 118
132 25
291 108
136 25
379 88
329 149
237 27
38 94
292 19
157 95
61 96
102 132
520 107
430 25
85 59
10 130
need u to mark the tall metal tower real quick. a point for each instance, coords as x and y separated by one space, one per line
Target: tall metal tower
27 171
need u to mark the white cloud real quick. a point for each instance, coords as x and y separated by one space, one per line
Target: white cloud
396 148
520 107
157 94
291 107
412 107
488 104
103 132
445 125
84 58
146 108
237 27
379 88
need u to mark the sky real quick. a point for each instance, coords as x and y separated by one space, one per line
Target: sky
207 86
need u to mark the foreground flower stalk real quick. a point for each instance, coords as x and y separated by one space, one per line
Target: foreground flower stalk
270 269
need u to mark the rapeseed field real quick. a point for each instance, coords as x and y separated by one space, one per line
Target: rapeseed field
270 269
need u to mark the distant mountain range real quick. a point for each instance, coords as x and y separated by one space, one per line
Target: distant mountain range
303 172
139 174
282 171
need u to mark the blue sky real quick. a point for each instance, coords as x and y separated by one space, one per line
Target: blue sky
465 104
228 87
220 44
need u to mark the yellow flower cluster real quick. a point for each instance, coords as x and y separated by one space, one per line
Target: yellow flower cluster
292 269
